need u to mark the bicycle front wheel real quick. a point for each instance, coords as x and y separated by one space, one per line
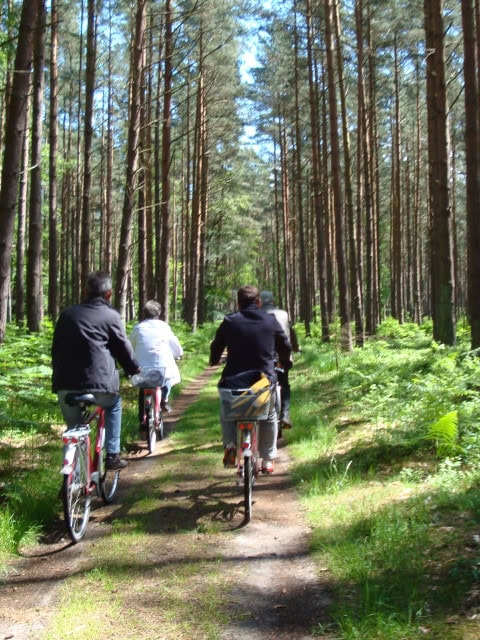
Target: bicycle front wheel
76 497
248 480
107 481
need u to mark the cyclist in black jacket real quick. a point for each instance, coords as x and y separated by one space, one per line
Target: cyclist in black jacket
88 338
252 340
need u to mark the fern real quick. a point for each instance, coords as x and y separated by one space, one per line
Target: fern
444 434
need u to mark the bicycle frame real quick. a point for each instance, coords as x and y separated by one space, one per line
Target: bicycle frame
148 395
152 416
81 435
247 461
247 441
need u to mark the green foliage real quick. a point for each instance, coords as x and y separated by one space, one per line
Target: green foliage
393 518
444 434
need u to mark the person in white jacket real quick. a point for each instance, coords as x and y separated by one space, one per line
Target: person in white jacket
157 347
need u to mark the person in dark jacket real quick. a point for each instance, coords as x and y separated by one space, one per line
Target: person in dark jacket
252 340
88 338
281 315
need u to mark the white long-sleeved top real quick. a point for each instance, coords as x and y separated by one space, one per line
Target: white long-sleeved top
156 346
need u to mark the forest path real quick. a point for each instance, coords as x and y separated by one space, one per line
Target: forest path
276 592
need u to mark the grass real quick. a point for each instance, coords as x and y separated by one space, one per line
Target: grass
393 518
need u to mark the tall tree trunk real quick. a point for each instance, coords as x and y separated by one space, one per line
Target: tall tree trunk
355 274
441 213
107 217
53 305
343 290
14 134
164 275
19 291
35 225
193 298
87 140
319 212
396 261
305 308
132 160
472 147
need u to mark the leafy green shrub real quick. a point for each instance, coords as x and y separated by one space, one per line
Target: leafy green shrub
444 434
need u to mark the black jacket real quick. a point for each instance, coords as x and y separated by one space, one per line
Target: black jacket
87 340
251 338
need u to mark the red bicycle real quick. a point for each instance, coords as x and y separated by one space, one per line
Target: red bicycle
247 407
84 471
150 382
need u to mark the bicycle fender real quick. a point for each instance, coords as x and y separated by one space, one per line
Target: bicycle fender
68 457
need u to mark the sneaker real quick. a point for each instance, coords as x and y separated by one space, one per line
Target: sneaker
166 408
114 462
230 455
267 466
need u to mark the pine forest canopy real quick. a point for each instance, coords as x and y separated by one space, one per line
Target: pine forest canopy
340 171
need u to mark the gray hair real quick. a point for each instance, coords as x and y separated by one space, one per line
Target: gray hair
98 283
152 309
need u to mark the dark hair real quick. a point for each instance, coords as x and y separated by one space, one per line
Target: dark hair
248 295
152 309
98 283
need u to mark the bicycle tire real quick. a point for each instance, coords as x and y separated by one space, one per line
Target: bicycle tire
160 427
107 481
248 479
76 497
152 429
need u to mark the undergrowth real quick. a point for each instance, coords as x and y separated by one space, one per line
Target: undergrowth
386 450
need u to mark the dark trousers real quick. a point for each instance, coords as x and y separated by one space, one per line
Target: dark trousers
285 394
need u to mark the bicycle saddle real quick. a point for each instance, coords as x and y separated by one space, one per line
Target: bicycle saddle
77 398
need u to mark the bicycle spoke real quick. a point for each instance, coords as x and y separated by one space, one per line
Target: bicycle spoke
76 497
108 480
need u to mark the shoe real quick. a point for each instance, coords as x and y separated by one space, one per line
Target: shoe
230 455
267 466
286 422
114 462
166 408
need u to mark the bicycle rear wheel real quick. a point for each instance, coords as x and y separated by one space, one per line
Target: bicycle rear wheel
152 429
248 480
160 429
76 497
107 481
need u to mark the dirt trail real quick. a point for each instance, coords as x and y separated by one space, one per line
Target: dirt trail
273 576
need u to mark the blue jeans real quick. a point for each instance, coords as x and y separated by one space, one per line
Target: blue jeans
111 402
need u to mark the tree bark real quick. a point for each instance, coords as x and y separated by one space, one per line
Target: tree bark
343 291
164 275
15 130
472 147
439 187
53 305
131 181
319 212
35 226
